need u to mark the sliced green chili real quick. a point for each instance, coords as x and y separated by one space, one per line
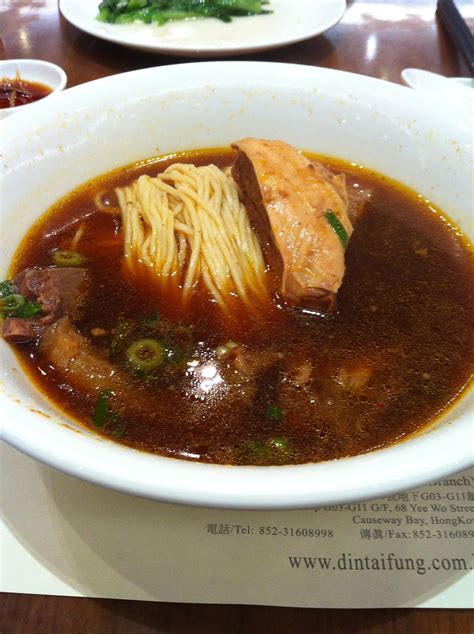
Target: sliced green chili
11 303
68 258
101 409
337 227
146 354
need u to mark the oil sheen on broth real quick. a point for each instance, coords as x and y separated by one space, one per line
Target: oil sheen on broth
285 386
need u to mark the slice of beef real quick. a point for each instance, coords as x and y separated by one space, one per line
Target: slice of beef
57 290
68 351
287 197
85 370
18 330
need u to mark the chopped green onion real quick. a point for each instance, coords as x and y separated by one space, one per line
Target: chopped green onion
11 303
28 310
101 409
281 444
337 227
7 288
68 258
146 354
15 305
274 412
272 451
104 416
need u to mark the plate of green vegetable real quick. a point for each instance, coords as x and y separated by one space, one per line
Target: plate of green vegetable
203 28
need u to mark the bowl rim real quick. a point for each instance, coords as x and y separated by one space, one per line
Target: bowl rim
102 462
219 486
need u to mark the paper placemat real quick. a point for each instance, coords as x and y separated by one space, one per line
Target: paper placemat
62 536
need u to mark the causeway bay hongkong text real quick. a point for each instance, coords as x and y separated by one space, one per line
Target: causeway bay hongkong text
420 531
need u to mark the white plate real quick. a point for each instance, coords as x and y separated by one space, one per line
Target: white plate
291 21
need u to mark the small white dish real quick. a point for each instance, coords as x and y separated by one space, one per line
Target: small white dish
35 70
290 21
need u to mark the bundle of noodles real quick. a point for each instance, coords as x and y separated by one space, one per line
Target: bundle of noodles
188 223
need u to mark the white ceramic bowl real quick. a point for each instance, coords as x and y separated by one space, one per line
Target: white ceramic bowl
35 70
96 127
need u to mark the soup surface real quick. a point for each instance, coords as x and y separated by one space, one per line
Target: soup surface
274 385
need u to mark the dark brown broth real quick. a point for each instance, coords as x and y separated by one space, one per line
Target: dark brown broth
405 310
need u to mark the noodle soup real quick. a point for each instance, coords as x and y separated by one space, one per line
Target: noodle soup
211 362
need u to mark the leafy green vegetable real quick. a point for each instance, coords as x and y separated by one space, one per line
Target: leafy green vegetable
337 227
162 11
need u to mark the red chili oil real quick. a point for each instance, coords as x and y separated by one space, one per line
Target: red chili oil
18 92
